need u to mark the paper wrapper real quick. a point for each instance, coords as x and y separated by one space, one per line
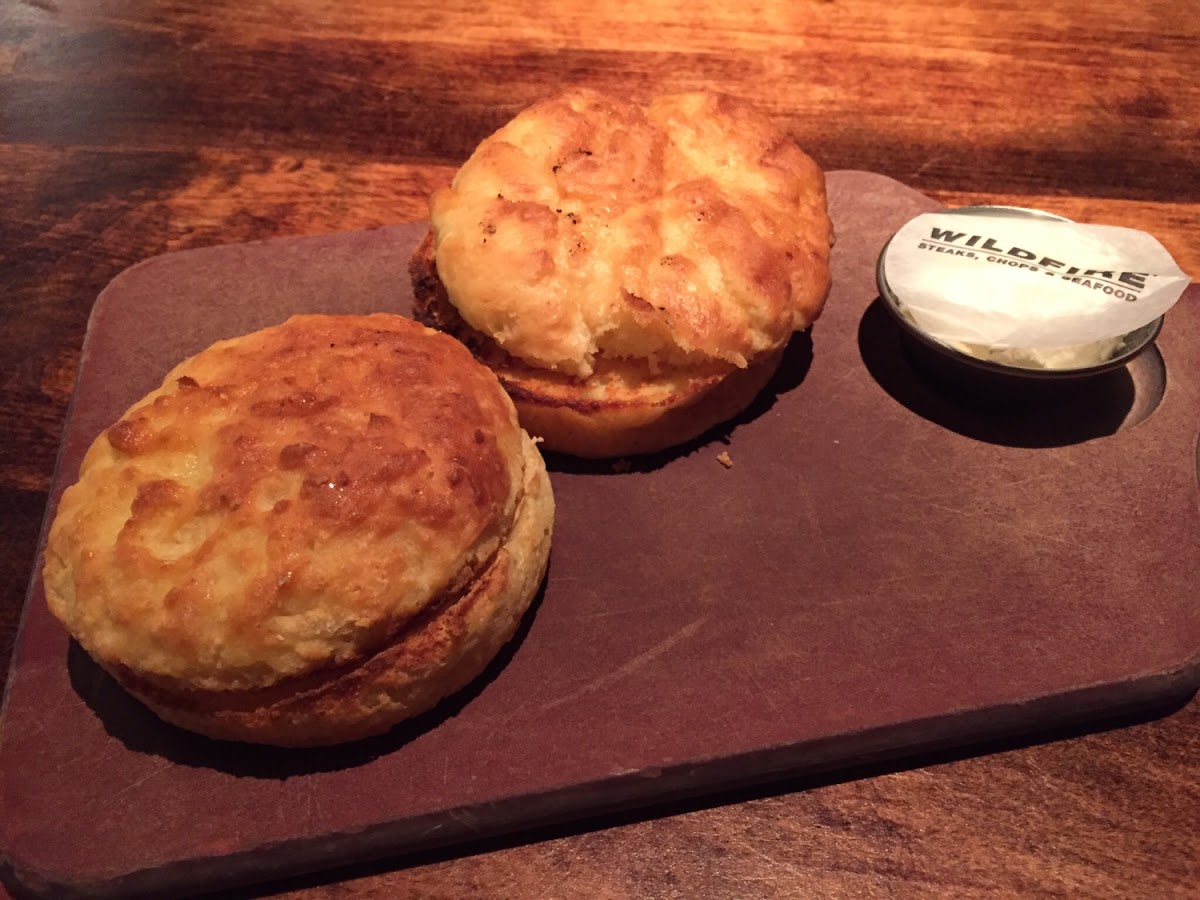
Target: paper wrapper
1014 282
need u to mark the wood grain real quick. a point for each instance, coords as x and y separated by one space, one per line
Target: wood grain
129 129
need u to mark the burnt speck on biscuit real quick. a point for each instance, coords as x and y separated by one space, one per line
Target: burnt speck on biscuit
297 403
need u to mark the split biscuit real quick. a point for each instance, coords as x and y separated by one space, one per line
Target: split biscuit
632 274
306 534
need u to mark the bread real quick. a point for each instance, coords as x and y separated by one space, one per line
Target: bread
632 274
306 534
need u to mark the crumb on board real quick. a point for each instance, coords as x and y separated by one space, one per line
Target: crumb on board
724 459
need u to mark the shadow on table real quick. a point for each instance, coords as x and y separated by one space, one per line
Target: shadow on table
127 720
1002 410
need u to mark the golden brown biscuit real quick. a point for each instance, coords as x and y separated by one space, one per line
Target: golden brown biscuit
306 534
631 273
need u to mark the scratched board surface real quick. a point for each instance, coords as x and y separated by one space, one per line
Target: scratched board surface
886 566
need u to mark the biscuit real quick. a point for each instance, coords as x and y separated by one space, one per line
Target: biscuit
631 273
306 534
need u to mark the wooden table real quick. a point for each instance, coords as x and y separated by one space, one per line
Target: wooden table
131 129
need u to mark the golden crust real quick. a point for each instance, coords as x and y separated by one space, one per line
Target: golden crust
626 421
685 234
440 651
286 507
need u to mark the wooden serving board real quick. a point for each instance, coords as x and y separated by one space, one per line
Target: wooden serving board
884 569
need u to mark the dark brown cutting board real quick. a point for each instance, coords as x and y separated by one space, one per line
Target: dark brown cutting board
883 569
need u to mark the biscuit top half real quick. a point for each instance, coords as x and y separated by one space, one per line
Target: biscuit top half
286 501
689 232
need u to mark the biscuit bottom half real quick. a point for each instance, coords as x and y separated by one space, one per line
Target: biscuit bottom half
443 648
624 408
